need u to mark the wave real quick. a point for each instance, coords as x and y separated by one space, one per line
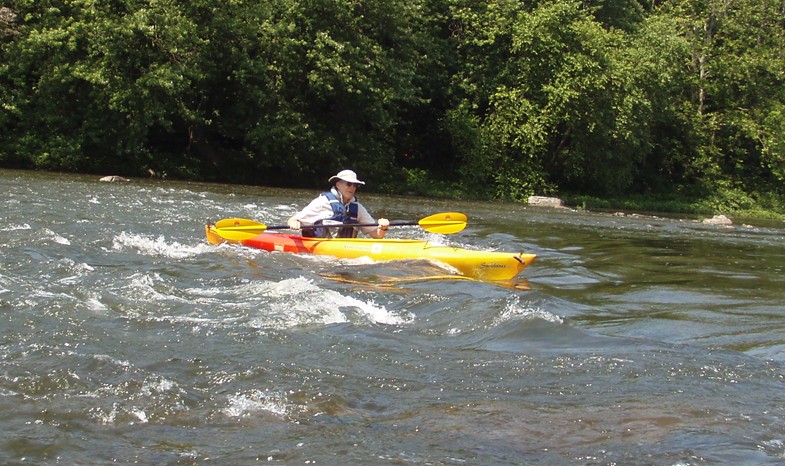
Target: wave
13 227
245 404
158 246
262 304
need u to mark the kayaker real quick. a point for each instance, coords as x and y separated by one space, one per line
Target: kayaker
338 205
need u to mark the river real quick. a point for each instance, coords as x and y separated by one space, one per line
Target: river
126 338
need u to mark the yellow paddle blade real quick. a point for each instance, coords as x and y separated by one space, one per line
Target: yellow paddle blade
445 223
233 235
238 229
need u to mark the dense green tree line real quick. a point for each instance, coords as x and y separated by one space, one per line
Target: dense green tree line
502 99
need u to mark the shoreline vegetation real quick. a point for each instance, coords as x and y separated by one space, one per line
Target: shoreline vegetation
631 105
698 208
732 203
634 205
693 210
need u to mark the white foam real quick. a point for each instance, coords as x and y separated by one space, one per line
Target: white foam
159 385
16 227
95 305
330 304
158 246
285 304
436 239
78 269
140 414
110 359
296 302
246 404
514 310
104 417
55 237
145 284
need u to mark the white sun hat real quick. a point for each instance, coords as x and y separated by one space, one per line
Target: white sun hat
346 175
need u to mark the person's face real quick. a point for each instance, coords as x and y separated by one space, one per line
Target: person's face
346 189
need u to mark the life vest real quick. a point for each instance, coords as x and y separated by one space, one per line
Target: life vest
341 214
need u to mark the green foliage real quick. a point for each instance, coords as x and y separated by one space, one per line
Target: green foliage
252 90
477 166
771 137
499 99
421 183
93 82
560 99
337 85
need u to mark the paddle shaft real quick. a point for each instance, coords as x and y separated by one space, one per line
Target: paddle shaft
341 225
237 229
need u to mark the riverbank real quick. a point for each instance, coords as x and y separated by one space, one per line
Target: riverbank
739 206
768 208
687 201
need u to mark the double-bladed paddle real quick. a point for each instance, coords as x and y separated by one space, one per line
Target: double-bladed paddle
238 229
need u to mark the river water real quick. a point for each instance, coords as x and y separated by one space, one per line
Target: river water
126 338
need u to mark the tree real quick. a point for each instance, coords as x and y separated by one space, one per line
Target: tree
556 97
323 84
247 91
737 89
501 98
95 80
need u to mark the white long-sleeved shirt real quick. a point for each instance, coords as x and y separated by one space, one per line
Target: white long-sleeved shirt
320 209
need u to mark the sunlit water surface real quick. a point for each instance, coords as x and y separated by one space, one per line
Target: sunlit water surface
126 338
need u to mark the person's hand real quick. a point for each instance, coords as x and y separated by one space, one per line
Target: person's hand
383 224
294 224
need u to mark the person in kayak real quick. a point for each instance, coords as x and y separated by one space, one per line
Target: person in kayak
338 205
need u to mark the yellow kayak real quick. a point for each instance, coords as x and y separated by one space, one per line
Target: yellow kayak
481 265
